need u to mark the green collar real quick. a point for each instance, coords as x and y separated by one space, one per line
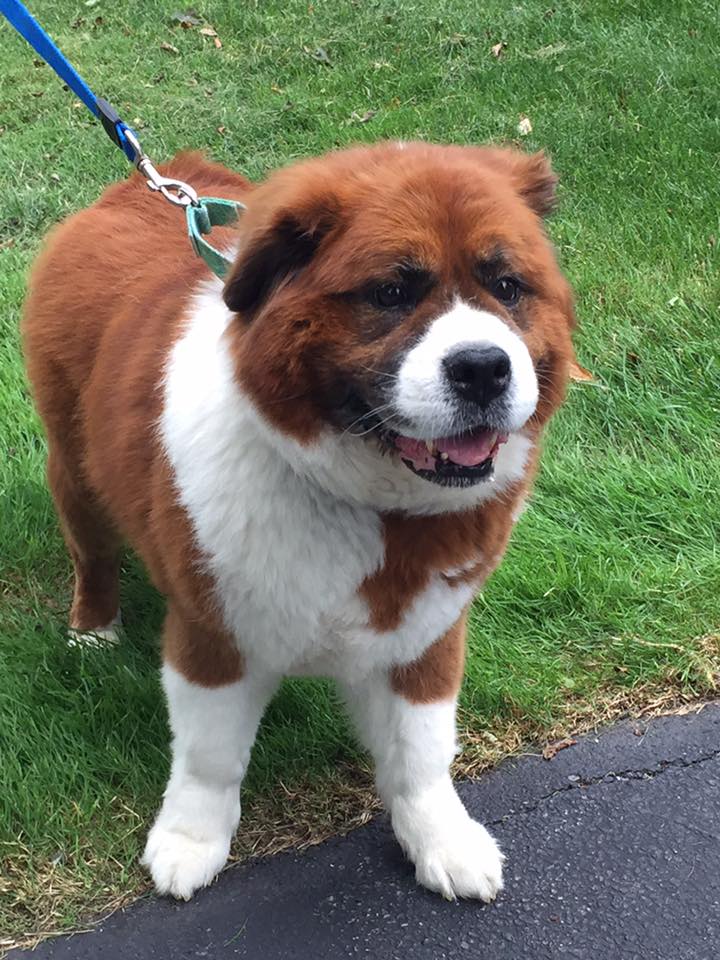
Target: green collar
207 213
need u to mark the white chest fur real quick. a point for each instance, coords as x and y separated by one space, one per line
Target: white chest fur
287 555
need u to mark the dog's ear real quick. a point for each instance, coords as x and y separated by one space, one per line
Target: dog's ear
275 252
530 174
536 182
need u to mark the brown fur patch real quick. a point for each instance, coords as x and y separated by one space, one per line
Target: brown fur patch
438 673
416 547
204 655
106 303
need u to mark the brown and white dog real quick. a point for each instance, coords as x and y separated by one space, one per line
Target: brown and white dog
319 461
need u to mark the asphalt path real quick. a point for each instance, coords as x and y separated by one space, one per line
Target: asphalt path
613 853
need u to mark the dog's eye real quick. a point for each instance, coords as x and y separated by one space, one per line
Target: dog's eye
506 290
389 295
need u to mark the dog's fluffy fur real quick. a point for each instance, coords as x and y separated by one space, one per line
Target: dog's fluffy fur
260 444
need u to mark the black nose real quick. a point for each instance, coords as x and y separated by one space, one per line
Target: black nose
478 374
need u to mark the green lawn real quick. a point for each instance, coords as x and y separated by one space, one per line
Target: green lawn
610 591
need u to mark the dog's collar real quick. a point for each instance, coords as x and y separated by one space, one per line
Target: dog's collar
207 213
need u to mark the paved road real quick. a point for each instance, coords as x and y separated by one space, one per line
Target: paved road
613 853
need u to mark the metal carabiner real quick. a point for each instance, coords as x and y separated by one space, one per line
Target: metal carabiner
183 194
177 192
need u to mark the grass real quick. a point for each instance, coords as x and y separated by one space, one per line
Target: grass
609 595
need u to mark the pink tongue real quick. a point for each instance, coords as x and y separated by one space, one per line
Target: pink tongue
466 451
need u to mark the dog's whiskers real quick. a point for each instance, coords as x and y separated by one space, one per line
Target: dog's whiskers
292 396
382 373
375 426
364 416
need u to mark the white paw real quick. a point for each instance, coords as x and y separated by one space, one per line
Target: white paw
453 854
97 637
464 862
181 864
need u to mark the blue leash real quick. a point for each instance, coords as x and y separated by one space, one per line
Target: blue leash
202 213
28 27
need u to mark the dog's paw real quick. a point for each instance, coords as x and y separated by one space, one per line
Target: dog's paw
181 864
453 854
464 862
96 638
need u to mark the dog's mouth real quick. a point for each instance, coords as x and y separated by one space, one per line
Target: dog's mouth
457 461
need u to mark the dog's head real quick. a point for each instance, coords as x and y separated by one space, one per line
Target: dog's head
405 329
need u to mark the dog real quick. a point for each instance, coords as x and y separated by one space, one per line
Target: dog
319 459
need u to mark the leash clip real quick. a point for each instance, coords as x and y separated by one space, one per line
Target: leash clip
176 191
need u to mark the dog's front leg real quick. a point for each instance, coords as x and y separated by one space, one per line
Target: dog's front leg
407 720
213 732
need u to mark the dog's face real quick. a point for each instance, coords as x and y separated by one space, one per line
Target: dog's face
402 314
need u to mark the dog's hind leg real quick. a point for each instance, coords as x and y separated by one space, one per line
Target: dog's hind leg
94 547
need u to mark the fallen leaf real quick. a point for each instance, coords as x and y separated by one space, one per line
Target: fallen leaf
168 47
55 177
275 88
209 32
524 127
362 117
221 129
673 300
497 48
554 748
218 43
580 374
320 54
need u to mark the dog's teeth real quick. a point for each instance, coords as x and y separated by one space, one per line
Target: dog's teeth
444 456
431 448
